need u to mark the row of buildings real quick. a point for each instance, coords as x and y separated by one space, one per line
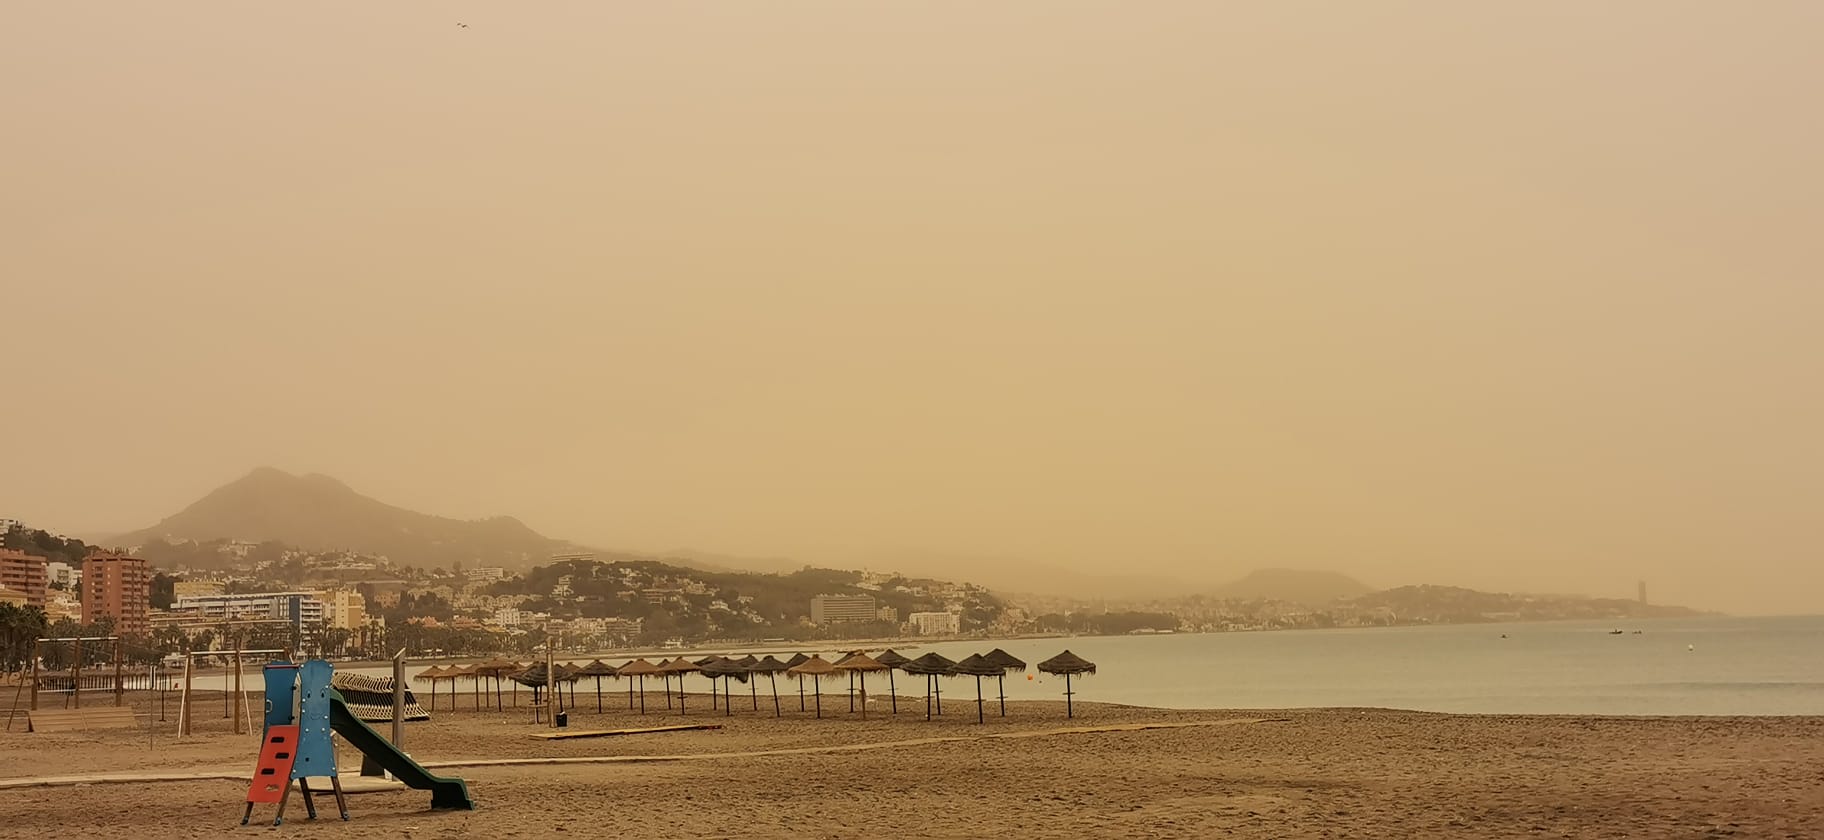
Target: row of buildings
856 609
113 585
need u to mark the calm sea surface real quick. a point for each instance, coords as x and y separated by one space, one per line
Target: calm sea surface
1706 666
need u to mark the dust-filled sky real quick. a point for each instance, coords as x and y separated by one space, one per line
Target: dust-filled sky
1516 296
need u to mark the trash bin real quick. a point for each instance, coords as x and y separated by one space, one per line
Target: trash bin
563 719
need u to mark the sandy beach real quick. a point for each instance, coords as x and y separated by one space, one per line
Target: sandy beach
1300 773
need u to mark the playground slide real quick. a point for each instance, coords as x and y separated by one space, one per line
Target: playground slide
445 792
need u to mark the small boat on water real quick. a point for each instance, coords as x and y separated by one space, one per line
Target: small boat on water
1614 632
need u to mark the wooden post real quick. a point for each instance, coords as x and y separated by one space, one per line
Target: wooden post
553 695
1069 712
119 686
34 675
399 699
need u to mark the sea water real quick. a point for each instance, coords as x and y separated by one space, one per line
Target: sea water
1697 666
1701 666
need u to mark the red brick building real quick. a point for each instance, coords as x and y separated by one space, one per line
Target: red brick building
118 586
24 573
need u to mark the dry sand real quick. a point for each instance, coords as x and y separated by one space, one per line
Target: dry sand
1309 773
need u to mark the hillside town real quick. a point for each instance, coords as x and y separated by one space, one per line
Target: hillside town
170 596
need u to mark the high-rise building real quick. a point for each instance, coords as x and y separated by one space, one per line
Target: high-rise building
24 573
1642 591
839 609
118 586
934 623
346 609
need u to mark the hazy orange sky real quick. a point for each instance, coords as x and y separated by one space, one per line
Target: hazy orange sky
1515 296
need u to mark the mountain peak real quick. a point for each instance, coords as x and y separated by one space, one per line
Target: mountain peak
1299 586
319 512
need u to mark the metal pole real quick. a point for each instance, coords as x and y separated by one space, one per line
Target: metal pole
76 674
119 686
399 699
184 709
239 721
34 675
553 697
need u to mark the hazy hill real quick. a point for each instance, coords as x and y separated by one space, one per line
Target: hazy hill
317 512
1314 588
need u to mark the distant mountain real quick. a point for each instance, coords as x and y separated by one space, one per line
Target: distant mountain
1312 588
319 513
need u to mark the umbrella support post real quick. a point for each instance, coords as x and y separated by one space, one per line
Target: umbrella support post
979 717
801 694
753 688
642 694
819 690
680 694
1068 711
892 691
774 679
864 694
1003 681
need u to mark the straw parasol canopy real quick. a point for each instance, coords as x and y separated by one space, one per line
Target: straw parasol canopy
495 669
724 669
978 666
1068 664
816 668
859 664
597 669
433 674
456 672
1008 662
893 660
679 667
747 664
931 666
771 668
797 660
641 669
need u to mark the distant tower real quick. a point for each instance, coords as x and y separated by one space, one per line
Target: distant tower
1642 591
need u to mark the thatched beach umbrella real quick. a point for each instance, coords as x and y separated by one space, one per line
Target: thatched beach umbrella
433 674
797 660
771 668
838 663
678 668
815 668
747 664
931 666
497 669
1068 664
977 666
1008 662
538 677
567 673
892 660
725 669
597 669
465 672
642 669
859 665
